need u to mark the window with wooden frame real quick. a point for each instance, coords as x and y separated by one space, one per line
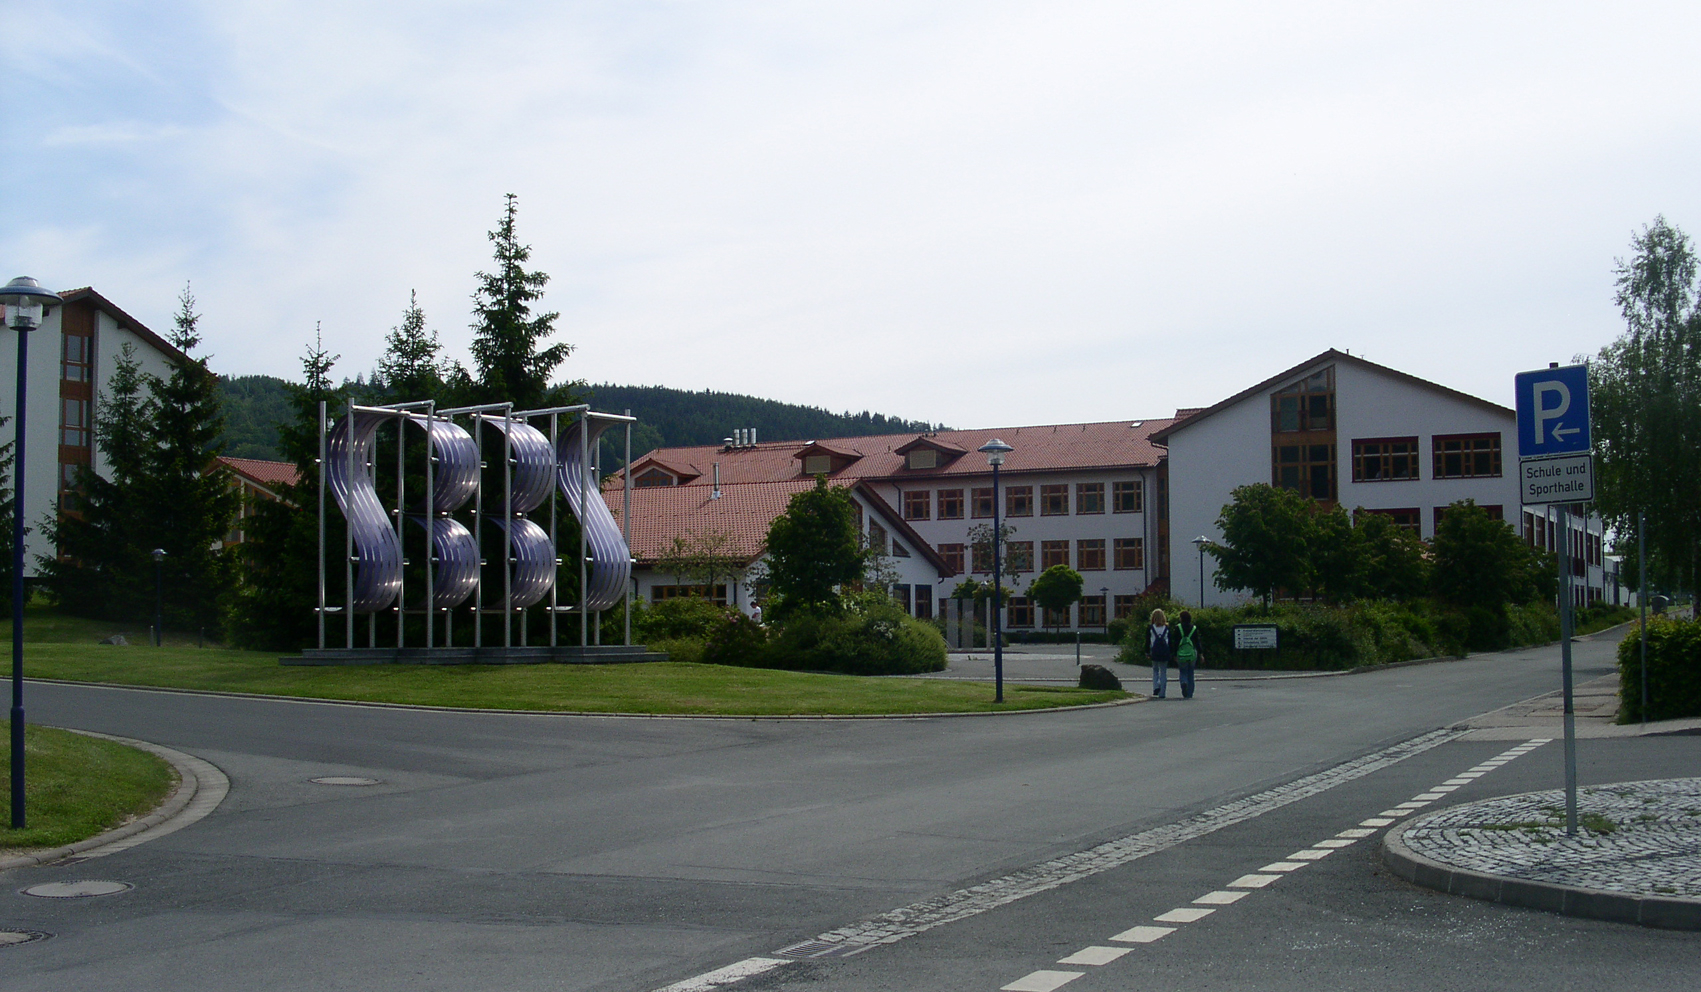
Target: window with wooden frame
1406 518
1054 501
1307 405
982 556
1020 556
77 358
1123 607
1092 611
953 555
1308 469
982 505
1019 501
950 504
898 549
74 426
1020 612
1054 553
651 477
1089 497
1089 555
1128 497
1057 617
1466 456
660 594
1385 459
1130 553
918 504
876 536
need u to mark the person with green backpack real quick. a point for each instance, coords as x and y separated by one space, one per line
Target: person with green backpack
1187 654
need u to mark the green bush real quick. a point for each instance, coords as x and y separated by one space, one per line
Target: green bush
688 650
1369 632
872 636
672 619
1674 671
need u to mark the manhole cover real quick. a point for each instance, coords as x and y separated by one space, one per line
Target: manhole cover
76 890
343 780
10 937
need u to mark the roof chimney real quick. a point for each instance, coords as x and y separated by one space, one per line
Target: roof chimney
715 493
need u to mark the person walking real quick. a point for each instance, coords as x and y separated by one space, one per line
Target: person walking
1186 651
1160 648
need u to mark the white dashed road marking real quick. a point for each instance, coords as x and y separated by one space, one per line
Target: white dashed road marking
1183 914
1143 935
726 976
1042 981
1095 955
1253 881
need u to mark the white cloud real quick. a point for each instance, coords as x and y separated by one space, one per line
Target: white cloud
974 213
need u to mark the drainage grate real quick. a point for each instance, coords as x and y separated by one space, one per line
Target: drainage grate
820 949
343 780
11 938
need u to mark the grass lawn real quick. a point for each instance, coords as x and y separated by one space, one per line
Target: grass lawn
76 787
66 648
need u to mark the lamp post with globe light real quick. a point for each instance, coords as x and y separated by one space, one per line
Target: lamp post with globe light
27 303
1201 542
995 450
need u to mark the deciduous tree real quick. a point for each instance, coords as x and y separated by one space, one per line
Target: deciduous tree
814 549
1266 541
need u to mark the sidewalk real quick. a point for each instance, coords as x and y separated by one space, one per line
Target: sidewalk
1637 854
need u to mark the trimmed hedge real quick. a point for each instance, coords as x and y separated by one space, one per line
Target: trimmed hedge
1674 671
873 637
1365 633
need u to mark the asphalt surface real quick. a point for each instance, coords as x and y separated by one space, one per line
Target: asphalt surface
525 852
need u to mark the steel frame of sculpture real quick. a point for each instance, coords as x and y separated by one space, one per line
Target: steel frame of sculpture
536 468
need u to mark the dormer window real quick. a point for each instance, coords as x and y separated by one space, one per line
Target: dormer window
816 458
926 452
653 477
924 458
817 464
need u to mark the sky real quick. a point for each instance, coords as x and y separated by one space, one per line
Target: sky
973 213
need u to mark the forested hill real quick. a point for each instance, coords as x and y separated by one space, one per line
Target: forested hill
254 405
674 417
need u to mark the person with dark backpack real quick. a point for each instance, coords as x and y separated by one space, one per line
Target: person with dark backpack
1186 652
1160 647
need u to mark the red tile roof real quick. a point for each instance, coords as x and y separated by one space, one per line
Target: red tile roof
1048 448
128 322
743 512
266 473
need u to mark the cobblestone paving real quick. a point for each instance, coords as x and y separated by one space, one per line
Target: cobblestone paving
1638 838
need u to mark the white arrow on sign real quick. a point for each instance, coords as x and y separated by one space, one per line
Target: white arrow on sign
1559 434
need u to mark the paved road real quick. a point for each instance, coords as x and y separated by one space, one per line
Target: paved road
520 852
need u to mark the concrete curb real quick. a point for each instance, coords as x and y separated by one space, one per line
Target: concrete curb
420 708
196 779
1566 900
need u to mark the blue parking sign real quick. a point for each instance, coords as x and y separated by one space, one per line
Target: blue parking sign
1553 411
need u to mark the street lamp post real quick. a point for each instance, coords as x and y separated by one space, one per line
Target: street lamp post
995 450
1200 542
28 303
159 596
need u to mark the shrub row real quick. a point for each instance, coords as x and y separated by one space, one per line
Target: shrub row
1364 633
873 636
1674 671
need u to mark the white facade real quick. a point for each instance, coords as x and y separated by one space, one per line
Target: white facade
1236 443
54 388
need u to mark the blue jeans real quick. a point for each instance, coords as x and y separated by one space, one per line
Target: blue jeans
1186 681
1160 678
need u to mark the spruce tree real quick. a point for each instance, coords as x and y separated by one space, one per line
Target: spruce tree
189 509
410 368
273 608
510 365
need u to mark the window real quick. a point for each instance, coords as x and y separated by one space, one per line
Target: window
1308 469
953 555
1058 617
1020 612
1130 553
899 551
923 603
900 593
918 504
983 557
1405 518
817 464
1308 405
661 593
877 537
74 427
1466 456
1092 611
924 458
1021 556
1385 459
1054 553
1019 501
652 477
1089 497
1054 501
78 363
1124 606
1089 555
950 504
1127 497
982 503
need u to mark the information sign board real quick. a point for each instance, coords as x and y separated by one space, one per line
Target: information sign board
1255 637
1566 479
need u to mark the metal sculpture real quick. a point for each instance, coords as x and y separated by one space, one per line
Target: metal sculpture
504 505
